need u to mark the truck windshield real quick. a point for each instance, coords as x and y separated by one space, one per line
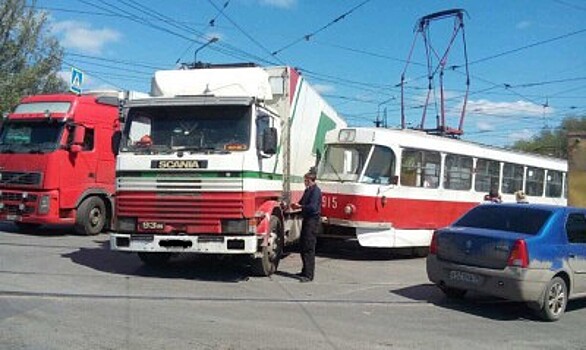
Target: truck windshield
193 128
30 136
343 162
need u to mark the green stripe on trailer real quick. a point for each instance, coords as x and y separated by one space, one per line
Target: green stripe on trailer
325 124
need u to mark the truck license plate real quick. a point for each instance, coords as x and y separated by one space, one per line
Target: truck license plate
151 226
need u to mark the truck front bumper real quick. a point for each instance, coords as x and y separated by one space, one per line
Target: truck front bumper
209 244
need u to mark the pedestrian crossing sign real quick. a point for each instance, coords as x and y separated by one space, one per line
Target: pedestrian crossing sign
76 81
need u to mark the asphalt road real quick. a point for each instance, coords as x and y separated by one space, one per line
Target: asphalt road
61 291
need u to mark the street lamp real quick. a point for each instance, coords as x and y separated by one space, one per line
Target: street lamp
211 41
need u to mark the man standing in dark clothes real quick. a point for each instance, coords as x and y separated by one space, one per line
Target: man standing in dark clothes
310 205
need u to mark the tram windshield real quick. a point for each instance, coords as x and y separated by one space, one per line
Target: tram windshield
357 163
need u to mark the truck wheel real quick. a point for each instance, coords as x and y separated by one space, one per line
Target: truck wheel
267 264
27 227
555 299
91 217
154 259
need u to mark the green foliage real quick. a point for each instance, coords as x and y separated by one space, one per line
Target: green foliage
29 58
553 142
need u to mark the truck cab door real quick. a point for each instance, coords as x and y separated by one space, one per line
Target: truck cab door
78 171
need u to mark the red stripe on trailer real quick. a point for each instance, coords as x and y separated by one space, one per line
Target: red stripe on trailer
402 213
293 80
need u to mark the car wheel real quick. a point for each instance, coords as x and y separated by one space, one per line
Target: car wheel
555 299
453 293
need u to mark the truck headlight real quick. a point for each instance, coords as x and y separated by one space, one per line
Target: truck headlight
239 226
124 224
44 204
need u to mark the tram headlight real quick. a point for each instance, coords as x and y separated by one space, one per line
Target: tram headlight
349 209
347 135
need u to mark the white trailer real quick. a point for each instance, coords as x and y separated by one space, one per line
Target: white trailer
210 161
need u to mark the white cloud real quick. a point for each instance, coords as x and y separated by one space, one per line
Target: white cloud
507 109
81 36
324 88
521 135
523 25
484 126
279 3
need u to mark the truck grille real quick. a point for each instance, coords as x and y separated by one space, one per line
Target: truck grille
182 208
179 183
17 203
20 178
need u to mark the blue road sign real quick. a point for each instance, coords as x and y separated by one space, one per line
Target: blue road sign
76 81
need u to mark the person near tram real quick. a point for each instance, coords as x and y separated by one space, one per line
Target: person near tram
310 205
493 196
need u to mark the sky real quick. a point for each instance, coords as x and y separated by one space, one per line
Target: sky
526 59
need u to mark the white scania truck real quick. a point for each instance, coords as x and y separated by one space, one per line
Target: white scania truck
210 161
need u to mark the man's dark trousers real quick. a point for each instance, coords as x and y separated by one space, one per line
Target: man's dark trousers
307 242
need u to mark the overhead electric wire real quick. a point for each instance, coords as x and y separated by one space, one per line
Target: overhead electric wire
369 87
574 6
250 37
508 52
219 47
306 37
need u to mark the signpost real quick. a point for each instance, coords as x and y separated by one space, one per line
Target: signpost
76 81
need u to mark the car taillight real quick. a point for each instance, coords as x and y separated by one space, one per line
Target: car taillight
519 256
433 245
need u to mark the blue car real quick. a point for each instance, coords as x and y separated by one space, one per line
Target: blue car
521 252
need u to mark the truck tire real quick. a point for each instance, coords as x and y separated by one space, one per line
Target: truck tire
154 259
268 263
555 299
91 216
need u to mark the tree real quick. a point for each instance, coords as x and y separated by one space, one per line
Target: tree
553 142
30 59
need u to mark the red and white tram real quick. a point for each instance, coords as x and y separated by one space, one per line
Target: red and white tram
392 187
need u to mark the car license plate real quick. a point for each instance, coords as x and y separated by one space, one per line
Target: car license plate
465 277
13 217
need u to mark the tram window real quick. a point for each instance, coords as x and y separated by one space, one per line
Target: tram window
420 168
343 162
512 178
553 184
381 166
534 181
487 175
458 172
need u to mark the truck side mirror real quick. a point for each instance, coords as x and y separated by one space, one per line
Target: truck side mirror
78 137
269 141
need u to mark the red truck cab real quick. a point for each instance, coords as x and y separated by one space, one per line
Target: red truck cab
57 161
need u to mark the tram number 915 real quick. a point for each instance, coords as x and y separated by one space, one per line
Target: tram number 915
329 202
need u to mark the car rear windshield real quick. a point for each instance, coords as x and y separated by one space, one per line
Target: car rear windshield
515 219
